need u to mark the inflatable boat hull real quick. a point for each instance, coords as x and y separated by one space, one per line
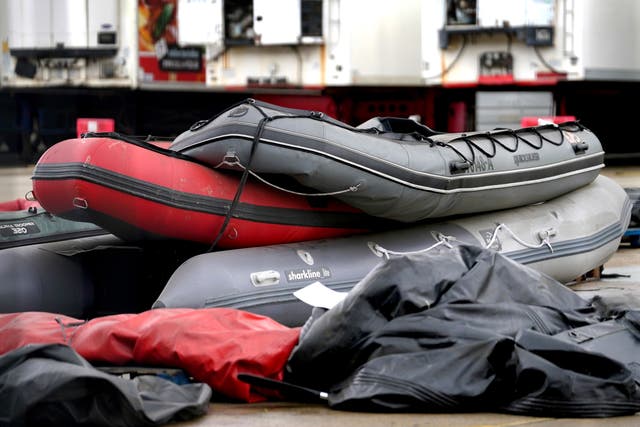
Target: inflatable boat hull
395 168
138 191
564 238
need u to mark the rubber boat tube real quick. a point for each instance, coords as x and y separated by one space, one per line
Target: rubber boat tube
396 168
564 238
139 191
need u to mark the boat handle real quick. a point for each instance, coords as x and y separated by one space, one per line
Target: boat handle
580 147
265 278
80 203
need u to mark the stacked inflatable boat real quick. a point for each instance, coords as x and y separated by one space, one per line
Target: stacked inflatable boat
275 199
555 237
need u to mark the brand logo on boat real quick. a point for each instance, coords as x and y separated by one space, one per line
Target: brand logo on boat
527 157
18 229
481 164
239 112
305 256
305 274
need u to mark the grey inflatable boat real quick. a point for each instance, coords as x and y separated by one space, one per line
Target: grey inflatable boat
397 168
35 225
563 238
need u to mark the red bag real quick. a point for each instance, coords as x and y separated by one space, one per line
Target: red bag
212 345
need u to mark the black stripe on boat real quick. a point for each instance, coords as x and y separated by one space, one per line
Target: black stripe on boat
199 203
403 175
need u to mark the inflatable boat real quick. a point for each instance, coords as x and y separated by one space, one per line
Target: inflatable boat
30 224
396 168
563 238
138 190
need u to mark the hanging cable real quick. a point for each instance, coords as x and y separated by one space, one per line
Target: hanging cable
453 62
545 63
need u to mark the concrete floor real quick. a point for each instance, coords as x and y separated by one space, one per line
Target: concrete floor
297 415
15 183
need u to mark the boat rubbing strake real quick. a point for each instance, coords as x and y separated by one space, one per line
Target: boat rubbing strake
396 168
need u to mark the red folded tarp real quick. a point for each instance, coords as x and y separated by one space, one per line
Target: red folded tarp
211 345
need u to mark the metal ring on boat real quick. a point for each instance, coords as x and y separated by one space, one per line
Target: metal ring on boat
233 233
375 248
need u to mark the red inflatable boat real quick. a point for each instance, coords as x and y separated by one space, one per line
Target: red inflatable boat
139 190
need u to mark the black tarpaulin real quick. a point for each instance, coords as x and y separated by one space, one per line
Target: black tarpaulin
460 329
51 385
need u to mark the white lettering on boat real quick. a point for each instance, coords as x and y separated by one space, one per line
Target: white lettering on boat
305 274
18 228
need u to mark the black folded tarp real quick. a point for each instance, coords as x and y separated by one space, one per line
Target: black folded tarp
51 385
460 329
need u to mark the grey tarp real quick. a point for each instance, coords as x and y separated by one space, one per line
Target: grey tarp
460 329
51 385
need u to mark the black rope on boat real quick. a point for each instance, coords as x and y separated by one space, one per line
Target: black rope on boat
247 170
517 136
531 144
243 178
144 143
202 123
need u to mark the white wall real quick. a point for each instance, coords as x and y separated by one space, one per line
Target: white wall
609 38
385 41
